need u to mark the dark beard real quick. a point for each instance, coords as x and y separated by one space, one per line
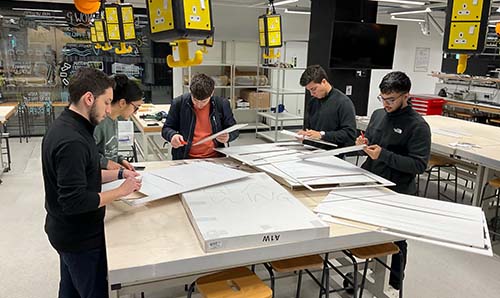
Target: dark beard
93 115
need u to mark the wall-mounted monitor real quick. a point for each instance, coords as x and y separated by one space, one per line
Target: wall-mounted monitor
362 45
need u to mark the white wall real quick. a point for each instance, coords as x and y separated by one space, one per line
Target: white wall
409 37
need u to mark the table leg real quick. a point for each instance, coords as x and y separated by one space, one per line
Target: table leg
480 172
145 146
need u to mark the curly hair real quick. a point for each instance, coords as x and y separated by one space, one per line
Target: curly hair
202 86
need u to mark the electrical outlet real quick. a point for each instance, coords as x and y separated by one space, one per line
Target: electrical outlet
348 90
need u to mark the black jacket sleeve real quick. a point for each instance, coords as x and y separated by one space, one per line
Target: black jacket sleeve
172 123
418 152
73 195
228 119
346 134
307 122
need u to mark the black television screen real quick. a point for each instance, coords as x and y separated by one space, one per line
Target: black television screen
363 45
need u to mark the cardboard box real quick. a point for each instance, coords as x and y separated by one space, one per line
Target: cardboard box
257 100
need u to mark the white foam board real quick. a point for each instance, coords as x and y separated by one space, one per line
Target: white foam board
285 162
327 170
436 221
251 212
166 182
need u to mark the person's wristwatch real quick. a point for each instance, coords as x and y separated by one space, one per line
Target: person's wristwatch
120 173
322 134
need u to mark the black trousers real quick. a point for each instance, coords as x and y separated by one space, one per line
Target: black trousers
396 269
83 274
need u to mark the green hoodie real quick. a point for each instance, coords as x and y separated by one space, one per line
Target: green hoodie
106 138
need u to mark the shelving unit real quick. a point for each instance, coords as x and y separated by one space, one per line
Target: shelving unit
247 115
280 91
222 69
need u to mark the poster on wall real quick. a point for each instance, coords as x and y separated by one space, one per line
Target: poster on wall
422 57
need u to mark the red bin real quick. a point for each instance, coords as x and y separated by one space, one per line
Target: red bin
427 105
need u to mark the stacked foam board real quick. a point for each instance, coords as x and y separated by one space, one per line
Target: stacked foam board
251 212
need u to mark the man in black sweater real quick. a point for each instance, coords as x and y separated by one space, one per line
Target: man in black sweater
72 177
399 144
330 113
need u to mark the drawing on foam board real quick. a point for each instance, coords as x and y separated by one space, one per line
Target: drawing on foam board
442 223
166 182
249 213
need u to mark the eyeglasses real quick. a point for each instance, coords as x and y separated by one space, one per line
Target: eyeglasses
136 108
389 100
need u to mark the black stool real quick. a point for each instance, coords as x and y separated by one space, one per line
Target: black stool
375 252
437 163
308 263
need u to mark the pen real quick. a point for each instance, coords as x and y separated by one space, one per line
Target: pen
184 143
363 136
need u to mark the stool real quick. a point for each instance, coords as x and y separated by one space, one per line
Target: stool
465 116
314 262
296 264
375 252
437 163
232 283
495 184
494 121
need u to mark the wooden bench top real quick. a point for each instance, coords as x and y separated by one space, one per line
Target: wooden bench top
375 251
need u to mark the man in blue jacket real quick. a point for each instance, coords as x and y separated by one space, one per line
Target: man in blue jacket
196 115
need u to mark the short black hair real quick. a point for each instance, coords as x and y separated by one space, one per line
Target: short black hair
88 79
202 86
313 73
396 81
126 89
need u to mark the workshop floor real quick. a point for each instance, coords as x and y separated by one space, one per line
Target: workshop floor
30 269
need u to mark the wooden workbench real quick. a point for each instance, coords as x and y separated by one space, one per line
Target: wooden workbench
149 132
156 242
483 146
7 110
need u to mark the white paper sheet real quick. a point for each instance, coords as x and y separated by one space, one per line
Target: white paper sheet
215 135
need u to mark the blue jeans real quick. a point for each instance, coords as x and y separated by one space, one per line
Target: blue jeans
83 274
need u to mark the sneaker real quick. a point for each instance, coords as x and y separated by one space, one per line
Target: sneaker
347 286
395 284
392 292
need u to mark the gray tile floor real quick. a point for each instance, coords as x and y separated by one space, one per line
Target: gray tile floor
29 266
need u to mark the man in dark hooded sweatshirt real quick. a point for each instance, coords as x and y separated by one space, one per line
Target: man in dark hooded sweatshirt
399 144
